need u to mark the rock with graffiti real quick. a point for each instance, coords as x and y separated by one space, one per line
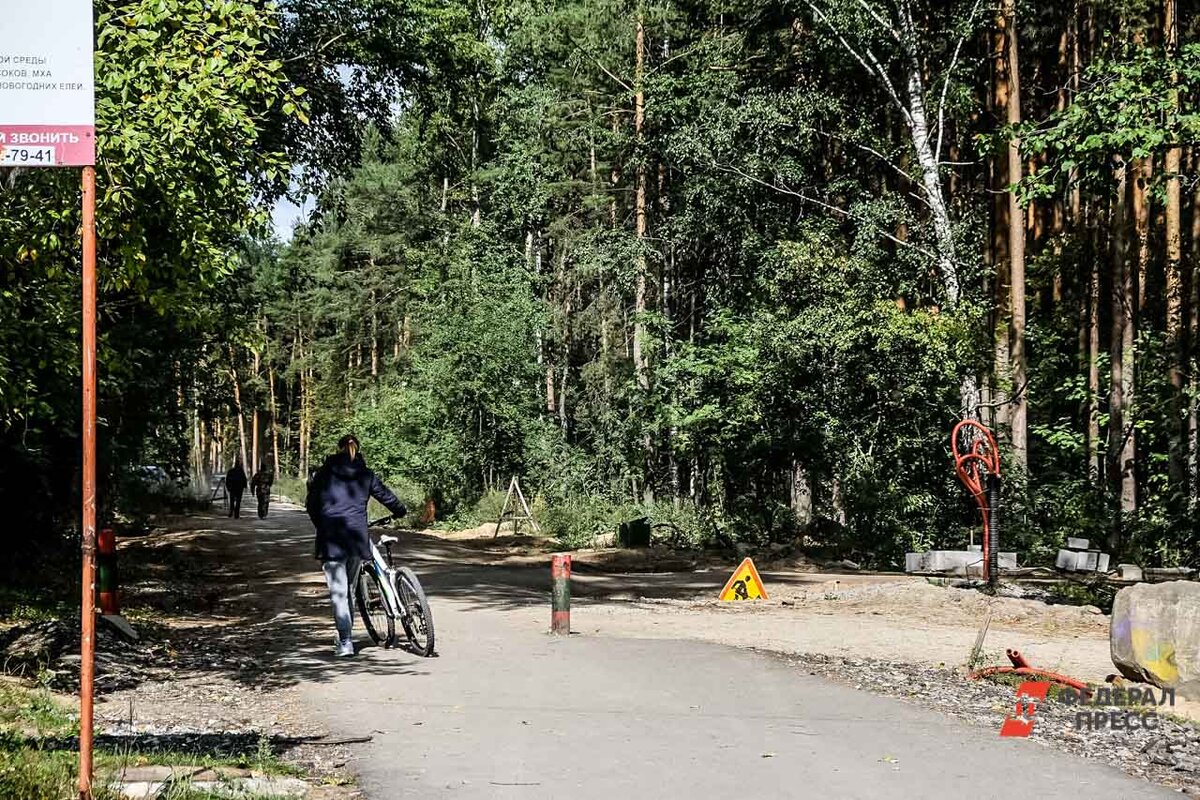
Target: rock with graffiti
1155 635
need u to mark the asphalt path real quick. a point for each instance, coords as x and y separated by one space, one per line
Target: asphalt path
508 711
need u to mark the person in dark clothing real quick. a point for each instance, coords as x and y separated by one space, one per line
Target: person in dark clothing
337 505
235 484
261 484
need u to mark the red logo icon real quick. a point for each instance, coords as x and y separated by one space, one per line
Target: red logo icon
1029 695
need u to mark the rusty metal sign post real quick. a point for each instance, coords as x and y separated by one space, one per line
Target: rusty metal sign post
48 119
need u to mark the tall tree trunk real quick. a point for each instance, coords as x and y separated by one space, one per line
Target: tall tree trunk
1000 227
374 340
274 420
1194 353
1016 248
198 454
305 391
1174 271
254 431
801 494
1143 173
837 499
1093 355
641 363
237 402
254 437
1122 432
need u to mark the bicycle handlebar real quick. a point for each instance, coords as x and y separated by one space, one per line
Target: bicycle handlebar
381 520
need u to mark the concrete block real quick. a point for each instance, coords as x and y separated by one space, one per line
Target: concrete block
1067 560
1129 572
1168 573
1082 561
957 562
1077 544
1155 634
950 560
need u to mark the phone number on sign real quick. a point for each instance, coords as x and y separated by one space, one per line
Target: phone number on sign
14 155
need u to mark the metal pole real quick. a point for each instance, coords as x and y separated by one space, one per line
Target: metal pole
88 614
560 594
993 530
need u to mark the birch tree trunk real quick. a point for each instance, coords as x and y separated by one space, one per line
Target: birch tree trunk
1122 444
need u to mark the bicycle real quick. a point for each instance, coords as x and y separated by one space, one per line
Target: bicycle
385 593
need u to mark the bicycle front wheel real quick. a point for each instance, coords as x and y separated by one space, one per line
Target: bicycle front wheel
373 607
416 617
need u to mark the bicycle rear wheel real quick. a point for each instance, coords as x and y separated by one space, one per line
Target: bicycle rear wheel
416 617
372 607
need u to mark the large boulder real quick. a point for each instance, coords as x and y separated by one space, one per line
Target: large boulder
1155 634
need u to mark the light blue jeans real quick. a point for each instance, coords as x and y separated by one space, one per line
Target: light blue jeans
338 575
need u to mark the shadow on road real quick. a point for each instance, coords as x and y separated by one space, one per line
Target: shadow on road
245 598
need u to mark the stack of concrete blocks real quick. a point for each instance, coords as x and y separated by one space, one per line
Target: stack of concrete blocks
1079 557
955 562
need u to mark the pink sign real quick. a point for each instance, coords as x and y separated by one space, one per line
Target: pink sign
47 145
47 85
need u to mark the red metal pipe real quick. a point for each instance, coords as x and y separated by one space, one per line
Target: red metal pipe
1053 677
1021 667
973 467
87 653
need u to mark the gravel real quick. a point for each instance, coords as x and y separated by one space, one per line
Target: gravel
1168 754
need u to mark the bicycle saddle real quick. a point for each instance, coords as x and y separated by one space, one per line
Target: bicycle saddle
385 539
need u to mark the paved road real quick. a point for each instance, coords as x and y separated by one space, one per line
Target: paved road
507 711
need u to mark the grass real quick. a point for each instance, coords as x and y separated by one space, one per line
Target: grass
35 766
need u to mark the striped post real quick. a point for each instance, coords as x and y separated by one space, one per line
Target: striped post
106 564
560 594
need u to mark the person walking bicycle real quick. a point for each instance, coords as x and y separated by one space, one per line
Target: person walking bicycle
337 505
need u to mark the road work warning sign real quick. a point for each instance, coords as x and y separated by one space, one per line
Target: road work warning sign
744 584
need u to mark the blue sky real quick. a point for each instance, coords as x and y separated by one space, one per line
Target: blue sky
286 214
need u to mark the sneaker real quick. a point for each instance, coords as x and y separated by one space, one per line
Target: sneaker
345 648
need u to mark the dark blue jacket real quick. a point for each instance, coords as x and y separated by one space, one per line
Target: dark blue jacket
235 479
337 505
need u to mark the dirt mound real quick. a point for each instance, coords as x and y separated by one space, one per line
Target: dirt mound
948 605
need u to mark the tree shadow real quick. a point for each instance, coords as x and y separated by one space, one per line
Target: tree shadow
222 745
246 600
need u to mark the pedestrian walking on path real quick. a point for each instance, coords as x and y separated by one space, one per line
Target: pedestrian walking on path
235 483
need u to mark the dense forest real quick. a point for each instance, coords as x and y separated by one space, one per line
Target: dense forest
738 265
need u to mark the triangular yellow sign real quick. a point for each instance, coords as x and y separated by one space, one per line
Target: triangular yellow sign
744 584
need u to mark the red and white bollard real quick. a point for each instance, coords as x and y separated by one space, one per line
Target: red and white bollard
560 594
106 572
